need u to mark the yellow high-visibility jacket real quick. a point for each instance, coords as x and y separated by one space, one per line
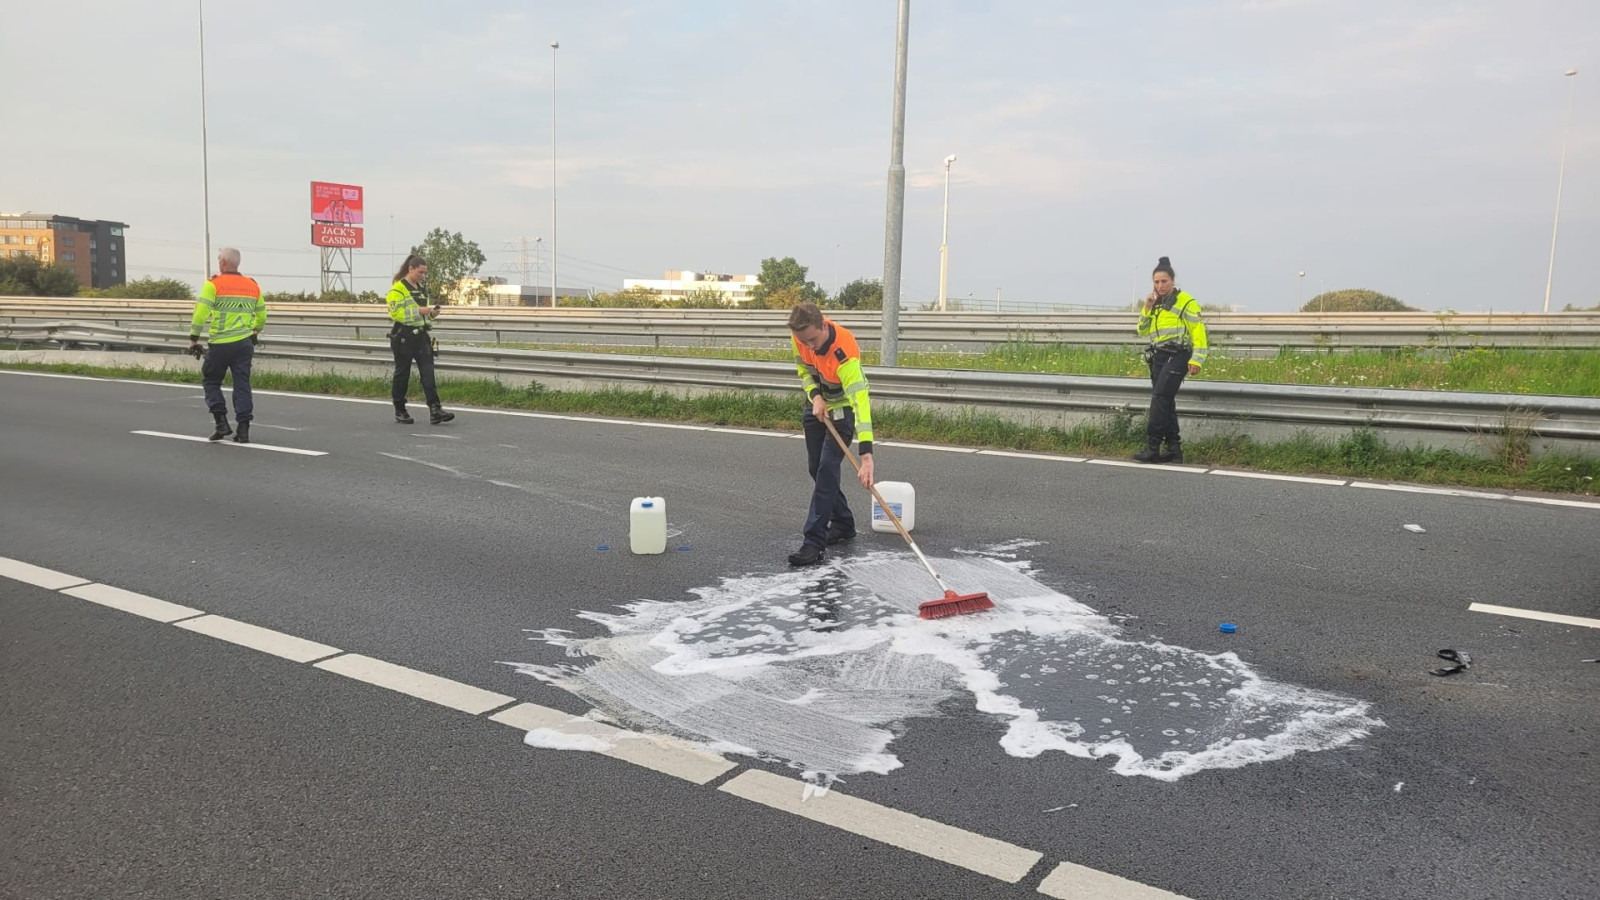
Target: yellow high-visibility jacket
1175 324
834 373
230 308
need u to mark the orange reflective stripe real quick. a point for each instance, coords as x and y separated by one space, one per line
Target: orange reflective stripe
232 284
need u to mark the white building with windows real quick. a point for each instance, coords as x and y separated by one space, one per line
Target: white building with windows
680 283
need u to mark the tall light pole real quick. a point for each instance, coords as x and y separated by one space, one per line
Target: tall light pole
554 268
1556 228
895 216
1300 293
944 240
205 153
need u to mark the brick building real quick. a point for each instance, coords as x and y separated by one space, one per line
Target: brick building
94 249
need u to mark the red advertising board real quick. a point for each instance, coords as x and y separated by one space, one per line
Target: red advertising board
337 203
336 235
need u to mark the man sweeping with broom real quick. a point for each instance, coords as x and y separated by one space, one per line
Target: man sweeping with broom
829 362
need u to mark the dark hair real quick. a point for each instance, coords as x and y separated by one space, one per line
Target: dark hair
804 315
411 262
1165 265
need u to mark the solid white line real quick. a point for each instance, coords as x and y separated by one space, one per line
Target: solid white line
657 752
255 637
249 446
984 855
129 602
1124 463
1070 881
442 437
1268 476
1417 489
721 430
49 579
910 446
1551 501
1045 456
421 685
1534 614
278 427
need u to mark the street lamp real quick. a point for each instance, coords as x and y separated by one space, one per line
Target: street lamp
555 270
1556 228
205 160
944 240
1300 292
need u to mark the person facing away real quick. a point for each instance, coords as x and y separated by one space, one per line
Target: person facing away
230 310
409 339
1171 321
829 362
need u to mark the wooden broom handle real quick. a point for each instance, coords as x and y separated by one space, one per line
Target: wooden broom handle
828 421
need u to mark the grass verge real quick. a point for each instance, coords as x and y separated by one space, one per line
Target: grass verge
1505 464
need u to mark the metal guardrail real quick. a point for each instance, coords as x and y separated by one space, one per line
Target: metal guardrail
1230 333
1432 417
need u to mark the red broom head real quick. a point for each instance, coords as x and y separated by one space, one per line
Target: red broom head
954 604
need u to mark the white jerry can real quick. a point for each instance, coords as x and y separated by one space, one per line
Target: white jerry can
902 500
647 525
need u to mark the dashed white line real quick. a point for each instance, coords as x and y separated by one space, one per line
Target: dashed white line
956 846
432 688
1534 614
1070 881
657 752
250 446
129 602
49 579
255 637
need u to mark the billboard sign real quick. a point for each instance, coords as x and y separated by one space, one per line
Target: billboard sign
336 203
348 236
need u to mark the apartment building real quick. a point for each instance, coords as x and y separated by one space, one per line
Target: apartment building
92 248
680 283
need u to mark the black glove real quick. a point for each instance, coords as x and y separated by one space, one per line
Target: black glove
255 339
195 350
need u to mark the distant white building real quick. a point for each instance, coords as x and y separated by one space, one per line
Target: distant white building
680 283
495 292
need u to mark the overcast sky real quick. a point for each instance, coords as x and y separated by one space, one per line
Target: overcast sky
1407 147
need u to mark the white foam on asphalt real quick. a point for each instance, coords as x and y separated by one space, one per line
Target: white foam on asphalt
822 668
550 739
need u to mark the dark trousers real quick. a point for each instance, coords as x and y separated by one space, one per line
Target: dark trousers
221 359
408 346
824 456
1167 371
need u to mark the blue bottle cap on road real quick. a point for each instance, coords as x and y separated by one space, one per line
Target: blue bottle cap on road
1227 628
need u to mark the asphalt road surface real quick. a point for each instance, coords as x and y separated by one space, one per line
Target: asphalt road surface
150 752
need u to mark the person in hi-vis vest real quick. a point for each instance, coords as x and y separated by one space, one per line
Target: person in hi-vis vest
1170 320
232 313
410 339
828 361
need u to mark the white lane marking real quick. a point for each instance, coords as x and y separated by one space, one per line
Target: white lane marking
422 462
1070 881
49 579
780 434
956 846
278 427
1418 489
651 751
1534 614
250 446
911 446
129 602
1016 455
1268 476
1551 501
421 685
442 437
1127 464
255 637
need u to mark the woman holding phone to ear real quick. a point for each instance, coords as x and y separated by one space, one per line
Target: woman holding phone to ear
1171 320
409 339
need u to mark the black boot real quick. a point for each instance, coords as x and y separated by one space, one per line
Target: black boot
806 556
403 417
437 415
223 429
243 437
838 534
1151 453
1173 454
